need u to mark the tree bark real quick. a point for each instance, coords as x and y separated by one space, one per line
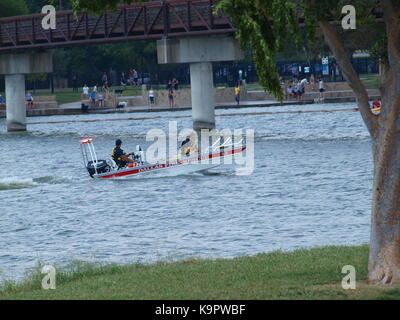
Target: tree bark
384 258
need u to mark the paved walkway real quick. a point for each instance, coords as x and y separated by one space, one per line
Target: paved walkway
76 106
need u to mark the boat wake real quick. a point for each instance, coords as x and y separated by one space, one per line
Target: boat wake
14 183
51 180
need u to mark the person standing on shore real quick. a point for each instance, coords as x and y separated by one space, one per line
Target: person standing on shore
122 80
85 94
171 97
101 100
170 85
130 78
175 84
135 77
29 100
312 82
104 79
151 97
321 90
237 94
93 96
299 91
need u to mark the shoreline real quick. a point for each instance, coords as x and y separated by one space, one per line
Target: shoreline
145 109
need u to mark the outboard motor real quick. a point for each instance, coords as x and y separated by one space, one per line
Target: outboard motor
99 167
92 164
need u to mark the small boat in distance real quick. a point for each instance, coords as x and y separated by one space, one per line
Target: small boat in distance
178 165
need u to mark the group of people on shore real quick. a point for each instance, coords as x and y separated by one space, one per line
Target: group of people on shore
172 87
96 99
131 80
297 88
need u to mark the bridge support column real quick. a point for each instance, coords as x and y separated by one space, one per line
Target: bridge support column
203 100
15 95
15 67
200 52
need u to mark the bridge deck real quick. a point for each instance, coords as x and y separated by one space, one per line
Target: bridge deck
150 20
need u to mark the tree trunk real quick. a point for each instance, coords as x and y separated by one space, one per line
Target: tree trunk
384 259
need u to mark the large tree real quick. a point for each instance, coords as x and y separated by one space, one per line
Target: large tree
265 25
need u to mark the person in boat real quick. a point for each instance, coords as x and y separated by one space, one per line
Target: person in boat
185 147
120 157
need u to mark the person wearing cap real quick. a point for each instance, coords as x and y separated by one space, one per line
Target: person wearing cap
120 157
185 146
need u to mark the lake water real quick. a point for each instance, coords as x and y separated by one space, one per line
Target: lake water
311 187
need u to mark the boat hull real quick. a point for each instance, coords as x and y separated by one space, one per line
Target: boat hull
173 168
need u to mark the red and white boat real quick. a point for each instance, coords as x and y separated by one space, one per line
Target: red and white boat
181 165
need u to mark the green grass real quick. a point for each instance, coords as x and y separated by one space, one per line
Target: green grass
254 87
66 95
303 274
371 81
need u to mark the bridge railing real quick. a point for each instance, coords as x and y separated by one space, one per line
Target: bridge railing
150 20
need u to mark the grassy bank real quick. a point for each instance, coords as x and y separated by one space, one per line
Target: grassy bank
303 274
66 95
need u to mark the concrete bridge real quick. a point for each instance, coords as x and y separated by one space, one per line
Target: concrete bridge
186 31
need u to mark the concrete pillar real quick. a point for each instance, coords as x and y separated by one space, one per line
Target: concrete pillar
16 109
200 52
203 101
14 67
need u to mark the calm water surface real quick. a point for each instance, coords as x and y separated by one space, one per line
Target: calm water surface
311 187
